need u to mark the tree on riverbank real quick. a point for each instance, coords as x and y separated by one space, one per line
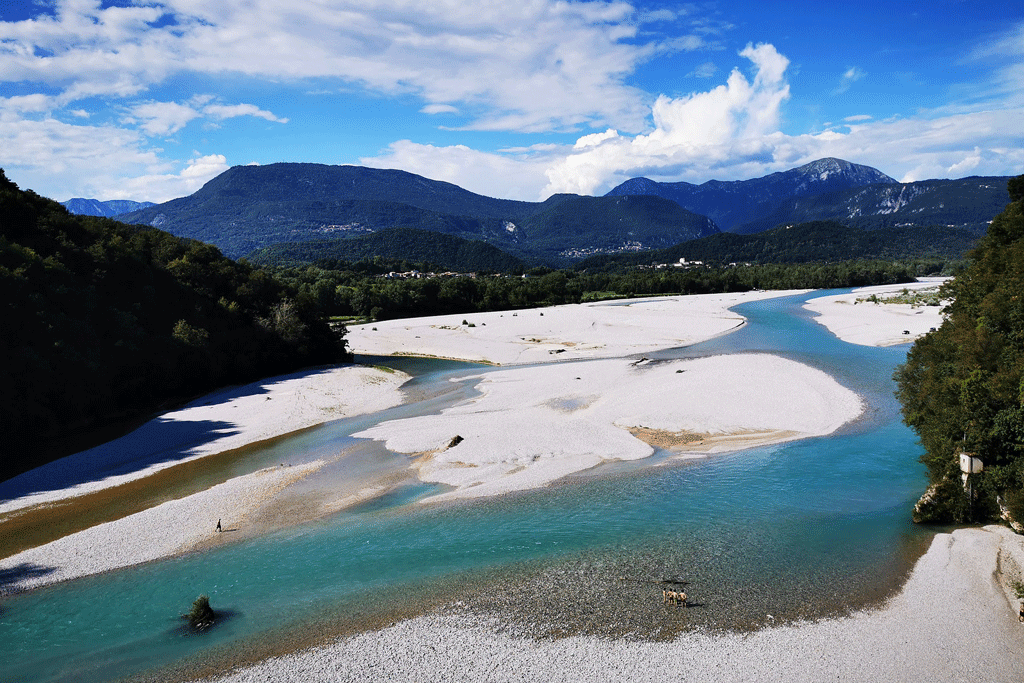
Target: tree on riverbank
105 322
962 387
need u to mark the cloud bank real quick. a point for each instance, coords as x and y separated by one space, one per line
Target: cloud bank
734 131
96 99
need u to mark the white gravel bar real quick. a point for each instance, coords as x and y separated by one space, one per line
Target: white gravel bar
608 329
215 423
853 319
531 426
170 528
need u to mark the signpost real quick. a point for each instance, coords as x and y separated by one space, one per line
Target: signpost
969 465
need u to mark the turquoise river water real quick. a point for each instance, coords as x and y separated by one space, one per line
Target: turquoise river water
827 517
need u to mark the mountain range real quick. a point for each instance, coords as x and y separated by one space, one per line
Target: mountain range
108 209
252 207
249 207
966 203
737 202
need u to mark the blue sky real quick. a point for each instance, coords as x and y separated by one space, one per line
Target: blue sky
149 100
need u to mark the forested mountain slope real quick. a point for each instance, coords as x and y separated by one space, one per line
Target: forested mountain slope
815 241
436 251
104 321
249 207
967 203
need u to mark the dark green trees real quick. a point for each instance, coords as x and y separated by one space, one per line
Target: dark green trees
961 387
101 322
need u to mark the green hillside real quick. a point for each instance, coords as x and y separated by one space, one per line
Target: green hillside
434 250
962 387
816 241
104 322
598 224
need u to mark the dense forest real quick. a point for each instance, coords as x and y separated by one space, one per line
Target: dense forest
962 386
815 241
436 251
358 289
104 322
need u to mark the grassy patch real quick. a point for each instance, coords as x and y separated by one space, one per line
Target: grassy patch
919 297
599 296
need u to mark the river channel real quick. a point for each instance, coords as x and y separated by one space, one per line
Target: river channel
795 531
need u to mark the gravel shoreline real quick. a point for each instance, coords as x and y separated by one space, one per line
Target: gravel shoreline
218 422
172 528
954 620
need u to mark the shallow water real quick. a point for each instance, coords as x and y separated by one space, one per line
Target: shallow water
794 530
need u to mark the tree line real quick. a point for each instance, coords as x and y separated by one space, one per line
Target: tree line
359 290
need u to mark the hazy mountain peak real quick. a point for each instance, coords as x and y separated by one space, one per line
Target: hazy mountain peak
735 202
110 208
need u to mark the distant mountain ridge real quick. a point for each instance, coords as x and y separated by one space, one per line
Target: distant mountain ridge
736 202
968 203
108 209
249 207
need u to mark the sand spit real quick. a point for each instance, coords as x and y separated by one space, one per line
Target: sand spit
539 335
951 622
171 528
215 423
534 425
877 324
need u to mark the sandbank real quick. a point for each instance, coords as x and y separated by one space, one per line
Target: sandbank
171 528
854 320
531 426
607 329
215 423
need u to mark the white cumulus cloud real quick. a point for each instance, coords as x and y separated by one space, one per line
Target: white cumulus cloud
161 118
160 187
732 131
727 123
